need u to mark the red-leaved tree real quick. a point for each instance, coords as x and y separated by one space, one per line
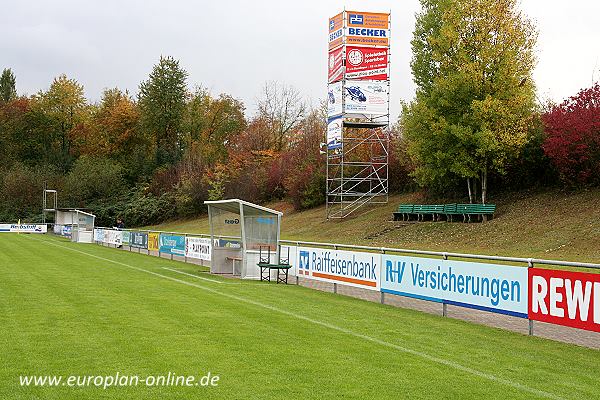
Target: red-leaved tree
573 137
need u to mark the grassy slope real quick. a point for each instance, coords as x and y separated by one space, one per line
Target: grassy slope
63 312
547 225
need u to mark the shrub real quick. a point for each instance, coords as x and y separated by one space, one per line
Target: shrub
573 137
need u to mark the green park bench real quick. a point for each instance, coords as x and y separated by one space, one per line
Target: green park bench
481 211
403 212
436 211
264 263
433 210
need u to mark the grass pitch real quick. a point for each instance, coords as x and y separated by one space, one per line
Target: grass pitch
82 310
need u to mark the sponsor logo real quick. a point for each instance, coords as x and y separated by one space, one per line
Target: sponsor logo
367 32
304 259
565 298
356 19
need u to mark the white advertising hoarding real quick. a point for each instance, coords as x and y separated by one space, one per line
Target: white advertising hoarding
334 99
489 287
350 268
199 248
24 228
366 97
334 132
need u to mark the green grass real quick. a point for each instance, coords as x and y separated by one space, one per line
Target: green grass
69 309
549 225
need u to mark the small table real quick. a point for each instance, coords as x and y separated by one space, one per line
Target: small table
282 272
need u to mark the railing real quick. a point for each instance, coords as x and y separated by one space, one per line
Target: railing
384 250
398 253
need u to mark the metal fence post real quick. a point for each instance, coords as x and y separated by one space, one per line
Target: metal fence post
530 265
185 248
334 287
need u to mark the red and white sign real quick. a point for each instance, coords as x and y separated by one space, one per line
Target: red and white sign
565 298
336 65
366 63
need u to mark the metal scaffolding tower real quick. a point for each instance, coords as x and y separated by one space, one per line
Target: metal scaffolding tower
50 196
357 145
357 171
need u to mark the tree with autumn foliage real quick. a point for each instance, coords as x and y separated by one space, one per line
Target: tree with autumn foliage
475 101
573 137
63 107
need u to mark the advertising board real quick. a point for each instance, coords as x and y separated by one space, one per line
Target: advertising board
126 237
199 248
172 244
565 298
24 228
366 63
99 235
352 268
365 28
334 132
336 31
334 99
335 66
139 240
488 287
112 236
153 241
366 97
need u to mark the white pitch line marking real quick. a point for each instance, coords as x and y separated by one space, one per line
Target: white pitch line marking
425 356
193 276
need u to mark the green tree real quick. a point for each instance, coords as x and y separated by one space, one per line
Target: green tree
211 122
65 105
8 89
475 100
162 101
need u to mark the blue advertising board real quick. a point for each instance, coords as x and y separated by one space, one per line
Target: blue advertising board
488 287
172 244
138 240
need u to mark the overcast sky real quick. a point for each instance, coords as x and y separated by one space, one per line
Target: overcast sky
235 46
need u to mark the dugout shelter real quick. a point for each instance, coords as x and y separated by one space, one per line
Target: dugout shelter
76 224
238 231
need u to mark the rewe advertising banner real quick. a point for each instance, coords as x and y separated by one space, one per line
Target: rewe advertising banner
489 287
337 266
565 298
24 228
366 63
172 244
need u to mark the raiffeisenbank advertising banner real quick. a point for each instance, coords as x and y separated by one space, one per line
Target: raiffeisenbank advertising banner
350 268
488 287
